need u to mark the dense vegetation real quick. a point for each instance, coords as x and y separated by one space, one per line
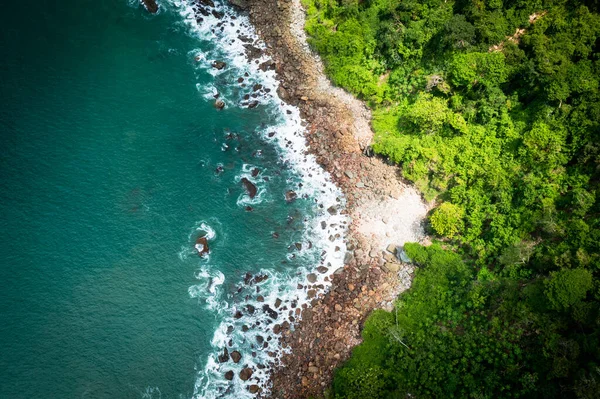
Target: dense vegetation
492 108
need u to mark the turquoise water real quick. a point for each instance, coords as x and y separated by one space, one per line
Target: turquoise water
108 152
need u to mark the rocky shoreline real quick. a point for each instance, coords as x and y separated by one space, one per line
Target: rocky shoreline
339 135
384 212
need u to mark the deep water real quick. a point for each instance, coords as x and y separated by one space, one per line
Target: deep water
109 146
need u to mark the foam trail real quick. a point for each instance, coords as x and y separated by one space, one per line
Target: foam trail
322 246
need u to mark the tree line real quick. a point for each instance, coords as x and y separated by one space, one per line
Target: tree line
492 109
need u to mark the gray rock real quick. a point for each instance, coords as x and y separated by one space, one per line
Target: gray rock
348 257
349 174
312 278
360 185
391 248
404 257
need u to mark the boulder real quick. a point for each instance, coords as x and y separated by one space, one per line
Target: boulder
312 278
202 246
219 65
219 104
253 388
391 248
229 375
391 267
151 6
224 357
250 187
236 356
290 196
268 310
246 373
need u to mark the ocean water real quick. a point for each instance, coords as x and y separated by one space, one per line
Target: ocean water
113 161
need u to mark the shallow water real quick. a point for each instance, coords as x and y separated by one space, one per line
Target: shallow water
109 149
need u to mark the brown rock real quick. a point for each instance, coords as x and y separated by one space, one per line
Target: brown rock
246 373
219 104
229 375
290 196
253 388
236 356
202 246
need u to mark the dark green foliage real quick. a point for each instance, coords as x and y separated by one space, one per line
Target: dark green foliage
492 108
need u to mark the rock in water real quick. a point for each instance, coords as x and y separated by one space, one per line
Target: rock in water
246 373
224 357
236 356
290 196
219 104
151 6
250 187
202 246
253 388
219 65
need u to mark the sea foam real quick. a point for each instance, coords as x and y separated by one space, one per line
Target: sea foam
249 324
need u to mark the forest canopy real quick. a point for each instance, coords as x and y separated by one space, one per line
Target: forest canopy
492 109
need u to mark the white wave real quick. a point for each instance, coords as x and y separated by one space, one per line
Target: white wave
326 231
209 289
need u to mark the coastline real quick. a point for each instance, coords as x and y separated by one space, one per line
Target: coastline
383 209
